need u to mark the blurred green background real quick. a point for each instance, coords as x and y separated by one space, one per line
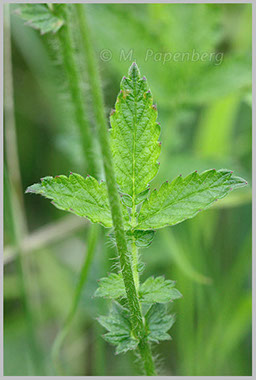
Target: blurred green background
205 114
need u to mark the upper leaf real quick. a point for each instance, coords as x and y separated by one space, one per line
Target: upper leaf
184 198
81 196
111 287
134 134
158 290
158 322
44 17
120 330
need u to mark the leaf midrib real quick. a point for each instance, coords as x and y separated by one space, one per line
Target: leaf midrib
172 203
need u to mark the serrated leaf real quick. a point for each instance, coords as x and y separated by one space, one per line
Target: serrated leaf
119 329
158 290
111 287
158 322
134 134
183 198
82 196
42 16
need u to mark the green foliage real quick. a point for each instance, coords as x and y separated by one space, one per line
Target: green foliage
158 290
119 334
158 322
184 198
177 29
153 290
205 113
142 239
134 134
119 329
44 17
135 147
111 287
81 196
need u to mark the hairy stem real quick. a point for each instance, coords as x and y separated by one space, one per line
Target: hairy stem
92 241
114 199
146 354
74 81
135 262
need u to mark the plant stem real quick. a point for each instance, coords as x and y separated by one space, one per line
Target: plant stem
92 241
146 354
74 80
135 262
114 199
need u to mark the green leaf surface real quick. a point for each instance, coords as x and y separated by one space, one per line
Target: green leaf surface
183 198
119 329
158 322
134 134
82 196
143 239
111 287
44 17
158 290
142 196
126 200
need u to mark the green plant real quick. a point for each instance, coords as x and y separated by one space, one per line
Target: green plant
139 315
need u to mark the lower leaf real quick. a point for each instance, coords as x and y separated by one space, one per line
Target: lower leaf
119 329
158 322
